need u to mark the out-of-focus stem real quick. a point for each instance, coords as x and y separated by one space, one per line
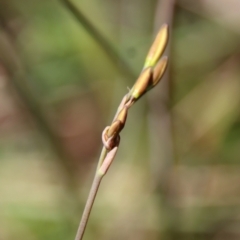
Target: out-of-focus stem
16 70
116 58
160 119
160 127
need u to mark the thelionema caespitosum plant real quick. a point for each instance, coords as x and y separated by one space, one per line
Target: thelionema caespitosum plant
151 74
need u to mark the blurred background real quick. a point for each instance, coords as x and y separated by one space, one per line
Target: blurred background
64 67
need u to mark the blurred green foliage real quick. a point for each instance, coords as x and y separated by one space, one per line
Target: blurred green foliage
189 192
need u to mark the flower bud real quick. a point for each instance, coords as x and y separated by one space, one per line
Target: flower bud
122 115
157 47
142 84
114 129
159 70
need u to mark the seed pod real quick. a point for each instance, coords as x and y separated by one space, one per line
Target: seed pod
157 47
159 70
142 84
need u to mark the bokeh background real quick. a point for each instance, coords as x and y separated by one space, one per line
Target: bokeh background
64 67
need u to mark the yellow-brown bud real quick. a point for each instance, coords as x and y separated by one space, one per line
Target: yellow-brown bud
157 47
114 129
142 84
122 115
159 70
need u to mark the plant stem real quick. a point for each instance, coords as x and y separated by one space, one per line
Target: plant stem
101 158
104 162
88 207
91 197
111 137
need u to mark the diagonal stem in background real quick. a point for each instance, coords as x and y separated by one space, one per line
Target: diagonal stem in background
106 45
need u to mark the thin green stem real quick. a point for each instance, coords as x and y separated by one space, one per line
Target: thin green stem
88 207
104 156
111 140
91 197
101 158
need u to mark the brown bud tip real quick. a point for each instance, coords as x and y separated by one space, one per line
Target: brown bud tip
122 115
115 128
157 47
142 83
159 70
